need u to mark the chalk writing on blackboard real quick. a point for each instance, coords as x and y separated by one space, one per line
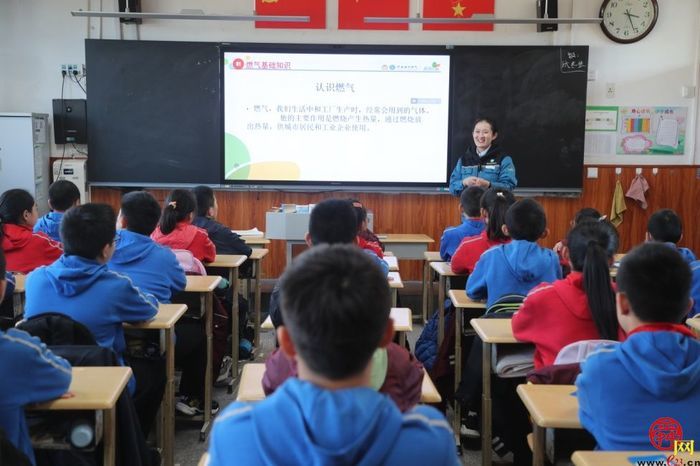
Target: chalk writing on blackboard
572 61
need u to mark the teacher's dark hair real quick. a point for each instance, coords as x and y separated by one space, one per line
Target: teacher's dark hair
490 121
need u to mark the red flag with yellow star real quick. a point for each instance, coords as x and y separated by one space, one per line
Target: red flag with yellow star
351 13
315 9
457 9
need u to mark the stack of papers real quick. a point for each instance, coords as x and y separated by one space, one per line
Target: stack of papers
251 232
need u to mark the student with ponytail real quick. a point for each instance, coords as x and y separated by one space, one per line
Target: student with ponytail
175 228
494 204
579 307
24 249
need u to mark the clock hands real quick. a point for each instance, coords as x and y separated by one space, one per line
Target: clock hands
629 17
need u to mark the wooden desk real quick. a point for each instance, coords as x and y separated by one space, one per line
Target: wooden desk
461 301
94 389
444 271
491 332
250 388
400 315
164 322
392 262
19 295
621 458
427 282
256 258
204 285
395 284
204 460
231 262
694 323
255 241
406 246
550 406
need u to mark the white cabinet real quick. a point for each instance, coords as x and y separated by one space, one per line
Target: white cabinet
24 155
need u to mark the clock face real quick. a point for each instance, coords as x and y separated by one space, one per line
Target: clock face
628 21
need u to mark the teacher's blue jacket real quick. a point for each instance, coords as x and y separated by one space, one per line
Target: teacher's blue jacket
493 166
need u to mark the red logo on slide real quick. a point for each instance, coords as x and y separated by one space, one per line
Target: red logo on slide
238 63
663 432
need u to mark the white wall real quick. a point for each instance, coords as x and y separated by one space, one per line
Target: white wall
36 36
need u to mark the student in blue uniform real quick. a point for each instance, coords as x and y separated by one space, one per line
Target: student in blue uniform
336 302
516 267
666 226
62 196
80 285
695 289
484 163
152 267
30 373
625 390
472 223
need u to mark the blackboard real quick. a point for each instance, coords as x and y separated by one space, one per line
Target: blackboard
537 96
153 112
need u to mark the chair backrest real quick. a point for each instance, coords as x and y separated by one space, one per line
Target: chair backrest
190 264
54 328
508 303
580 350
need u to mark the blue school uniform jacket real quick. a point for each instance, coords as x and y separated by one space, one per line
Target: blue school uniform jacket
452 236
302 424
50 224
30 373
513 268
687 254
624 389
695 288
91 294
493 166
153 268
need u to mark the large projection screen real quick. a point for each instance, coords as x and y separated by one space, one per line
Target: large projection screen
320 117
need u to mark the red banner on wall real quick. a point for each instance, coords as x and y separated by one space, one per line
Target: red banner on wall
315 9
352 13
457 9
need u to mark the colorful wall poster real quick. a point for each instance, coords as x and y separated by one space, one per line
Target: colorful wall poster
646 130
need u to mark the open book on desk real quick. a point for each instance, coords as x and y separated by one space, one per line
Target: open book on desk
251 232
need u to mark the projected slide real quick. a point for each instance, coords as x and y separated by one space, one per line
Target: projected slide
293 117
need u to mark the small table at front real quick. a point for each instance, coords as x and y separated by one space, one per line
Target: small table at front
618 458
18 302
164 321
444 271
550 406
94 389
204 285
231 262
427 285
250 388
406 245
461 301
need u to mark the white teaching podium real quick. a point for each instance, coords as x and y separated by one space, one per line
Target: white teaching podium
292 227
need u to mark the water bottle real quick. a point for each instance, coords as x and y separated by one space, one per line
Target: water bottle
82 433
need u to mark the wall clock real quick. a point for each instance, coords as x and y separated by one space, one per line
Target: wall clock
627 21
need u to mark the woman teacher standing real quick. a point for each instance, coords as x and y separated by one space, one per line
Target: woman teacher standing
483 164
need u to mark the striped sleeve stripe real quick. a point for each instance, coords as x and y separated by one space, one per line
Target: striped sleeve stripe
234 412
426 420
39 350
138 290
50 241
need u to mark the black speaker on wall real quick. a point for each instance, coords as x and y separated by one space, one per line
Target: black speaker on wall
550 7
70 121
134 7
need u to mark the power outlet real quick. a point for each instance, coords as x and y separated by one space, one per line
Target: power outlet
73 69
610 90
